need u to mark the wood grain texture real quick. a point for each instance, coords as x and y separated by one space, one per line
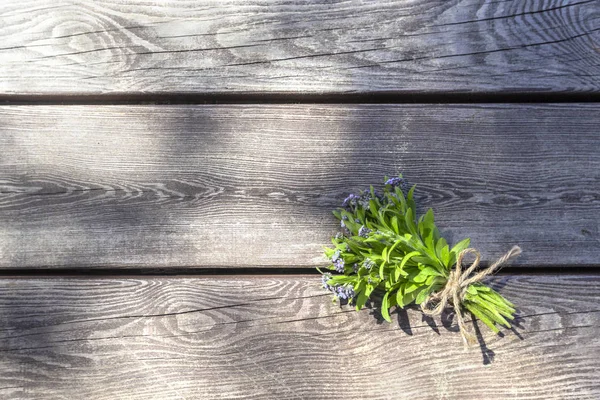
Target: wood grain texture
283 338
111 46
254 186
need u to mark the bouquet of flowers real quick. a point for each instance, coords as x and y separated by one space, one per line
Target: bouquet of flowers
383 247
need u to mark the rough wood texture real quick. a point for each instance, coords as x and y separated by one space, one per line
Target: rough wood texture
181 186
283 338
112 46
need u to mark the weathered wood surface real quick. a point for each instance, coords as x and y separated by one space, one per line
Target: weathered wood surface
91 46
283 338
252 185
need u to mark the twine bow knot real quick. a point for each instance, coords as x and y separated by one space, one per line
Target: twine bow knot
457 285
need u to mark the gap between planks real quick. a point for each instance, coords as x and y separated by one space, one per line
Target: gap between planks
250 273
300 98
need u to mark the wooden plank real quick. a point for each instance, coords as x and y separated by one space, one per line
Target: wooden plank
283 338
254 185
421 46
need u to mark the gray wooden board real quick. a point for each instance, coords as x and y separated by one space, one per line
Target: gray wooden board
99 47
254 185
283 338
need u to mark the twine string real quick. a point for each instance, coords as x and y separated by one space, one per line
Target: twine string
457 285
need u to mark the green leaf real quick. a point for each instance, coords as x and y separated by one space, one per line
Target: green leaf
483 289
472 290
392 299
360 286
428 271
360 213
436 282
429 250
428 222
354 246
399 297
420 278
506 314
421 296
409 221
395 225
398 242
439 247
400 196
410 198
477 312
460 246
373 208
421 226
492 312
429 242
361 300
445 257
369 289
411 287
408 257
497 301
385 312
410 297
397 273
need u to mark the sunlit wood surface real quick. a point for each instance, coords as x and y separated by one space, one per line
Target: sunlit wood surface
438 46
282 338
168 171
254 185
